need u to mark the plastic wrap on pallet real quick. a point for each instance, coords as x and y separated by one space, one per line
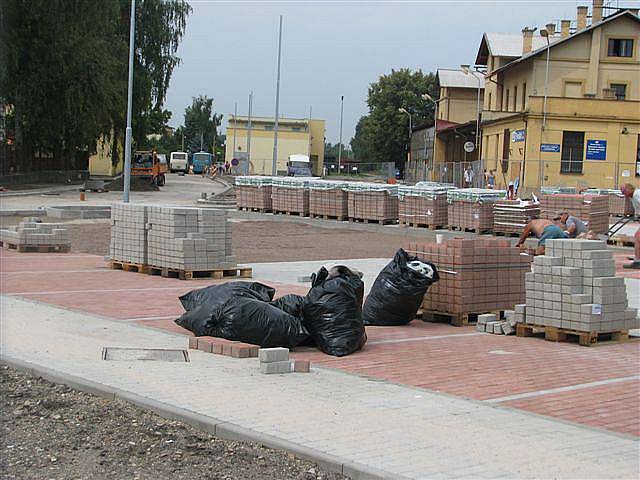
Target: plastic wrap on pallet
292 182
550 190
317 184
392 190
475 195
253 180
428 192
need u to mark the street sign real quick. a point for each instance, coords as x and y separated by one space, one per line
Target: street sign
469 147
550 147
518 136
596 150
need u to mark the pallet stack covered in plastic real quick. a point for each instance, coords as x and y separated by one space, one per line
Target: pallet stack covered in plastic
592 209
511 216
290 195
253 192
619 205
477 275
33 233
376 202
573 286
472 208
328 199
423 205
189 239
129 233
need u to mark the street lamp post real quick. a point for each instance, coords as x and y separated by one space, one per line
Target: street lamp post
404 110
340 141
127 143
274 167
466 69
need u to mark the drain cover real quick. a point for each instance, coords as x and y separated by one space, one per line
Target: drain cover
148 354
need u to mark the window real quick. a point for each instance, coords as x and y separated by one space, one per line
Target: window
506 145
506 101
524 95
620 90
515 98
572 152
268 127
489 104
296 129
620 47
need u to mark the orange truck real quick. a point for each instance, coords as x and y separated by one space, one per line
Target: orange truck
148 165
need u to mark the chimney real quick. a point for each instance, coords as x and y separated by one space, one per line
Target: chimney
582 18
527 39
551 28
565 28
596 11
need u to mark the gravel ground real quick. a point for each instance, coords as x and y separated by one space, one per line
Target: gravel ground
52 431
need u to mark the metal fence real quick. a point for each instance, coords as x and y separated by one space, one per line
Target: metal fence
447 172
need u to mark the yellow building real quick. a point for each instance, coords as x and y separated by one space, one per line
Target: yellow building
101 163
566 112
295 136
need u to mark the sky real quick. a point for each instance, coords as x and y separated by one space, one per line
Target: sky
332 48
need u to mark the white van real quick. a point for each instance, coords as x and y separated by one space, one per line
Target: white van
179 161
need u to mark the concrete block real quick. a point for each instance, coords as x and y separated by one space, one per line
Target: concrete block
276 367
301 366
269 355
486 318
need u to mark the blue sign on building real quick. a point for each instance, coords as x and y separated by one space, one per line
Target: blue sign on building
596 150
518 136
550 147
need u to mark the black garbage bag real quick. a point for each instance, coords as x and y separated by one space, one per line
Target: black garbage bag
332 311
290 303
200 304
397 293
253 321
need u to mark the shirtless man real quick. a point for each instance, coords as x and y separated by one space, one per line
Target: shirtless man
543 230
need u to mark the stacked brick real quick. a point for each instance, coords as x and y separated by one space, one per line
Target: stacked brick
619 205
290 195
129 233
328 199
423 206
573 286
189 239
511 216
253 193
32 232
490 323
221 346
276 360
478 275
373 201
591 209
472 208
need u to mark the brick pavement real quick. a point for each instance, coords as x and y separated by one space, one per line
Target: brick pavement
438 357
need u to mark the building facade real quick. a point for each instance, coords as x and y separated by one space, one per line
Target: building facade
295 136
566 111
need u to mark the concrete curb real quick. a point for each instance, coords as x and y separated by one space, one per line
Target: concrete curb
212 425
29 212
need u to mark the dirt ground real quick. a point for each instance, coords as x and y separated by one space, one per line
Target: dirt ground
53 431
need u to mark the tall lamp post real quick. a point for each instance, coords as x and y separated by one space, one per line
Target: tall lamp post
127 143
274 167
340 141
404 110
467 71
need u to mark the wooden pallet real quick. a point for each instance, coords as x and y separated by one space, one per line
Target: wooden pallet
507 234
128 266
555 334
621 241
216 273
455 319
376 221
283 212
330 217
22 248
259 210
423 225
477 231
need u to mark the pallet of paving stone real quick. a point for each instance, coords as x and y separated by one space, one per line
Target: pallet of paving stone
328 200
373 203
621 241
253 193
424 207
511 216
555 334
290 196
22 248
216 273
128 266
592 209
619 205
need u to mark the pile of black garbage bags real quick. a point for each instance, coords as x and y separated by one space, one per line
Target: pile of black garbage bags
330 317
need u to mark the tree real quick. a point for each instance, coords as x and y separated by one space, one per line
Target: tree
201 126
331 151
383 134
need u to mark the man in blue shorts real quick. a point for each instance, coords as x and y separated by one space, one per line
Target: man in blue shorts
543 230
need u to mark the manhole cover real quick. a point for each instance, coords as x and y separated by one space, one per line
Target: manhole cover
148 354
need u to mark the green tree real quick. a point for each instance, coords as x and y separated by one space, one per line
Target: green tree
201 126
332 151
382 135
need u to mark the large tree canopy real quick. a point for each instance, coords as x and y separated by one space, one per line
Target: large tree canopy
66 69
383 134
201 126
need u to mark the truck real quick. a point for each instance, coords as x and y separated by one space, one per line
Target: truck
148 165
179 161
201 161
298 165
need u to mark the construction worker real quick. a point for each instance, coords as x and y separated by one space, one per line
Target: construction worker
573 226
543 230
633 193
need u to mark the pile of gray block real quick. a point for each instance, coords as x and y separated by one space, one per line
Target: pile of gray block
32 232
129 233
573 286
181 238
187 238
490 323
276 360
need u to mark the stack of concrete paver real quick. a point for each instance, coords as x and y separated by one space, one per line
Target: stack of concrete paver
290 195
574 287
592 209
328 199
31 232
423 205
511 216
376 202
478 275
276 360
189 239
490 323
129 233
221 346
619 205
253 193
472 208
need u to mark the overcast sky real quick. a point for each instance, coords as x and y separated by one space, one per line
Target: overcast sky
332 49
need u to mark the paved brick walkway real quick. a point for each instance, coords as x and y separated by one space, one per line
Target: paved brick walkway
401 431
436 357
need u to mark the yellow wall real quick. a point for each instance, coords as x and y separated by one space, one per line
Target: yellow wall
459 104
100 163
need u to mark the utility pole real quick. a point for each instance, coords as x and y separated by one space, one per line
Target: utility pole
235 124
274 168
249 133
340 141
309 128
127 143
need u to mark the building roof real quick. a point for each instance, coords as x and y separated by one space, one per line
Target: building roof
452 77
539 50
258 119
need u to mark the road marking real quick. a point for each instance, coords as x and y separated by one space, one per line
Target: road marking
568 388
420 339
